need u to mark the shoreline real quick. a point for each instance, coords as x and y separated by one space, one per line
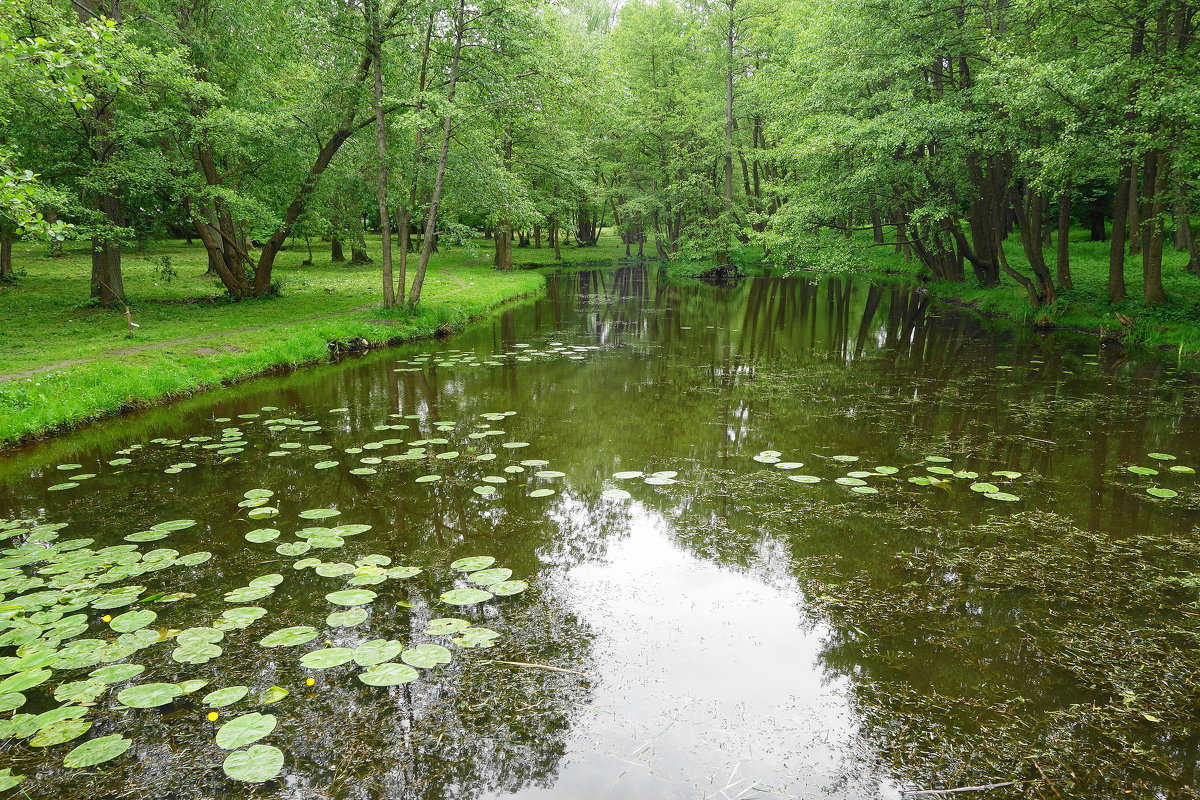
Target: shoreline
97 388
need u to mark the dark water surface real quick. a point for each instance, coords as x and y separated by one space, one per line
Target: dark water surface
731 634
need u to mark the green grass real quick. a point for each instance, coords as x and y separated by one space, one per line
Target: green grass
47 320
1173 325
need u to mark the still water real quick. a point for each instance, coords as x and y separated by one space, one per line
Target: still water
724 631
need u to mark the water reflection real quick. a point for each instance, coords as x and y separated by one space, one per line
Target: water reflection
722 658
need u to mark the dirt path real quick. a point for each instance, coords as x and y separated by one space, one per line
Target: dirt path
129 351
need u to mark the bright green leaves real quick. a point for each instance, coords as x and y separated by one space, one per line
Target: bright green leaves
289 637
388 674
351 597
244 730
97 751
255 764
465 597
150 695
426 656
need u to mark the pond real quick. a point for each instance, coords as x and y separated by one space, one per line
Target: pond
800 537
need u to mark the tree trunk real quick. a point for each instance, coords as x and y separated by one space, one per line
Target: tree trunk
435 200
6 267
335 250
381 154
1116 244
503 243
1064 240
1030 207
1152 227
1135 212
358 247
537 237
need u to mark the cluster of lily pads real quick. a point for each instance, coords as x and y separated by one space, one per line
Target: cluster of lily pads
427 451
936 473
1161 492
519 353
55 592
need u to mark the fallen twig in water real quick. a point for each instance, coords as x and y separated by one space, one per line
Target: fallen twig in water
982 788
538 666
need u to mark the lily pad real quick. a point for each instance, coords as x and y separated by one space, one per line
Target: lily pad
465 597
506 588
351 597
1158 491
804 478
388 674
131 621
472 563
224 697
59 732
116 673
319 513
97 751
376 651
485 577
262 535
476 637
1004 496
289 637
326 658
426 656
616 494
245 730
150 695
255 764
446 626
346 619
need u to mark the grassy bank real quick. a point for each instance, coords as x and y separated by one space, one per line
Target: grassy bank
1173 325
66 362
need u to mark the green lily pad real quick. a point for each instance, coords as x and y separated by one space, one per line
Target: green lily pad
1161 456
150 695
262 535
320 513
272 695
1142 470
131 621
244 730
289 637
325 464
326 658
388 674
465 597
985 488
346 619
426 656
224 697
24 680
116 673
446 626
616 494
472 563
59 732
351 597
1158 491
1005 496
804 478
484 577
376 651
97 751
255 764
476 637
507 588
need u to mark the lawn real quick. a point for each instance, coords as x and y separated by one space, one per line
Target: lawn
98 366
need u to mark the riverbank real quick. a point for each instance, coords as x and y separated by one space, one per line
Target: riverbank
66 362
1173 325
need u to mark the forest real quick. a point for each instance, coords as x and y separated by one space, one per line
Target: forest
722 131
